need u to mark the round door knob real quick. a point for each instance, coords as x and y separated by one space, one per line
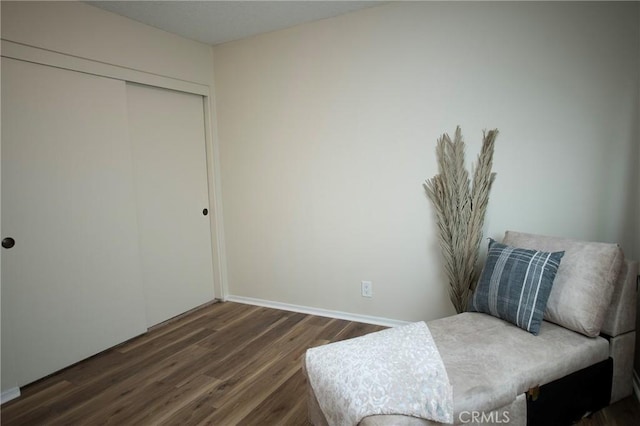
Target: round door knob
205 212
8 242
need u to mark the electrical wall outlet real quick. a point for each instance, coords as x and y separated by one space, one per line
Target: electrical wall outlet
367 289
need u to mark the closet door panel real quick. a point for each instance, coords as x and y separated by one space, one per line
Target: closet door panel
168 143
71 285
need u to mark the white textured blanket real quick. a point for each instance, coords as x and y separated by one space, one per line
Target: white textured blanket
394 371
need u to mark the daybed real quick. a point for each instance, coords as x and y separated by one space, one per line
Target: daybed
580 360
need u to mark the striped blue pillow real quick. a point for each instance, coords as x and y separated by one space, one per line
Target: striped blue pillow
515 285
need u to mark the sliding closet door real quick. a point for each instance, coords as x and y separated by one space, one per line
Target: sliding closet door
71 284
168 142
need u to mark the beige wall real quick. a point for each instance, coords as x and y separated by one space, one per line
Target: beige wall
327 131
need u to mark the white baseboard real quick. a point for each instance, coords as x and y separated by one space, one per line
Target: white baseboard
636 385
9 394
387 322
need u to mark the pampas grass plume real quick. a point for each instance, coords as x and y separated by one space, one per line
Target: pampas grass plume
460 206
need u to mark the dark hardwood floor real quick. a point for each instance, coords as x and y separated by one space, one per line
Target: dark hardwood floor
224 364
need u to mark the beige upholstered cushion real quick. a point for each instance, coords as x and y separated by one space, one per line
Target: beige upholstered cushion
584 283
490 362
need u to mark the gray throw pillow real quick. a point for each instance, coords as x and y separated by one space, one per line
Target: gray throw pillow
583 287
515 285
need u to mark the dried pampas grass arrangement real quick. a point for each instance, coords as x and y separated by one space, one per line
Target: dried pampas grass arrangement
460 210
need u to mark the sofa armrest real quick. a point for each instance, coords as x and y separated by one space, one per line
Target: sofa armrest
621 314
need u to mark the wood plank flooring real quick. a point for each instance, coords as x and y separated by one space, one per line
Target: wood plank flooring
224 364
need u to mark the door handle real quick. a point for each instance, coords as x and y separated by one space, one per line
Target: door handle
8 242
205 212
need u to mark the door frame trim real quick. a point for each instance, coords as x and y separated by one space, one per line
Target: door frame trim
24 52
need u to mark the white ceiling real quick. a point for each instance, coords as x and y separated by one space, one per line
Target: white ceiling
215 22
